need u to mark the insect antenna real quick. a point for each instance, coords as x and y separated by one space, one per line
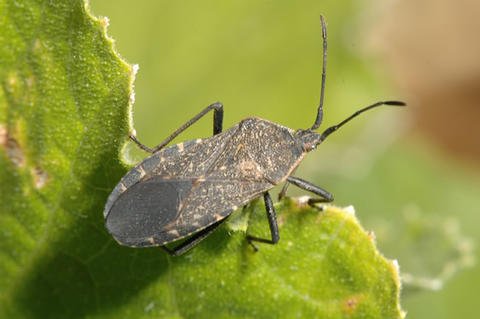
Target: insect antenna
333 128
319 118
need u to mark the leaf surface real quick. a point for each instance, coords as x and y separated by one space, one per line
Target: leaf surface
64 117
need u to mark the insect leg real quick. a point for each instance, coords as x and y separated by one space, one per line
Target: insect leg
283 191
193 240
272 222
217 127
326 197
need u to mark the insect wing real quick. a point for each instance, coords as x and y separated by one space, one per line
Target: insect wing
144 211
213 200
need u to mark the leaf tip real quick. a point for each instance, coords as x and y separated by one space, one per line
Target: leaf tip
349 210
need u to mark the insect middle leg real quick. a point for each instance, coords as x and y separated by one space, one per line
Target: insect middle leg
217 127
272 222
325 196
193 240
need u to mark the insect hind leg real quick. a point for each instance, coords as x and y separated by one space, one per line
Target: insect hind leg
193 240
272 222
217 127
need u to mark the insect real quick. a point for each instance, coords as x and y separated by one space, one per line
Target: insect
187 190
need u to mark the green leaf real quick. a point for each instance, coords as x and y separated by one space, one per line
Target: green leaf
64 118
64 102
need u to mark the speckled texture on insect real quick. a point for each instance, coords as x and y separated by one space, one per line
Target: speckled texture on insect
202 181
188 189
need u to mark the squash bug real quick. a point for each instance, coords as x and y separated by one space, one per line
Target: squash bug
189 189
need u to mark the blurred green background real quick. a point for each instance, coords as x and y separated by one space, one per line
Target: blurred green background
412 174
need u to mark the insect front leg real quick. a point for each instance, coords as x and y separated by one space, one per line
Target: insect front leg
217 127
325 196
193 240
272 222
283 191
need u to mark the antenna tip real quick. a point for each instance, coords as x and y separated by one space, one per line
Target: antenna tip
322 21
395 103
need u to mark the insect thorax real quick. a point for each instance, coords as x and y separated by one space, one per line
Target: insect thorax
271 147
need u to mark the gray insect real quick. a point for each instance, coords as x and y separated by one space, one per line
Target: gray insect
189 189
